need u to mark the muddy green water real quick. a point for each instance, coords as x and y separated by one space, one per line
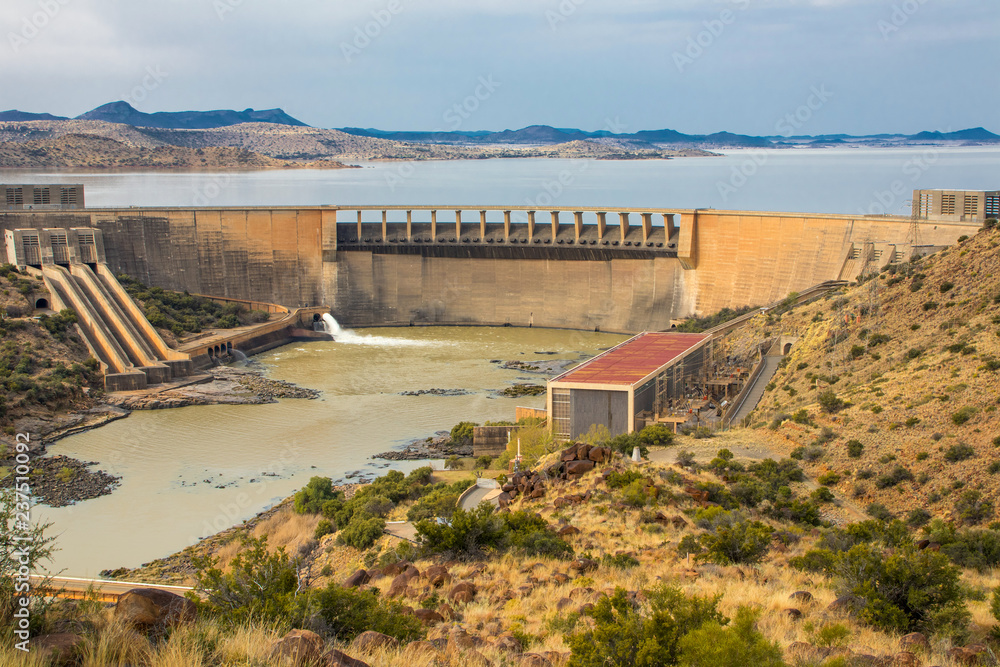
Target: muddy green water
173 461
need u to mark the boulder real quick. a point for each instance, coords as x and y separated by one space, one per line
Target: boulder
583 452
568 454
583 565
576 468
564 603
567 531
503 500
508 643
58 649
153 609
335 658
437 575
449 613
369 641
298 648
905 659
359 578
597 455
560 578
793 613
460 640
537 492
398 586
534 660
559 503
844 604
395 569
462 592
967 655
428 617
914 641
801 596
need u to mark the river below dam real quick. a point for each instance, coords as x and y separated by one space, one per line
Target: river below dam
190 472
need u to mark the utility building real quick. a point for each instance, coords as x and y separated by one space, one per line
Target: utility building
956 205
42 197
650 377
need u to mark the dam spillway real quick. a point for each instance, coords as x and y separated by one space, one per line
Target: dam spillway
612 269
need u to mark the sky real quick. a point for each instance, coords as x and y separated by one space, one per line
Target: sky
761 67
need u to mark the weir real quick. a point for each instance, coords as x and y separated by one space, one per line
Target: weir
597 268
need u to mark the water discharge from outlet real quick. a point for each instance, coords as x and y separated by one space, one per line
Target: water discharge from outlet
349 337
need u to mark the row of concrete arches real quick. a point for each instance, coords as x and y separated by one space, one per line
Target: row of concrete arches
221 350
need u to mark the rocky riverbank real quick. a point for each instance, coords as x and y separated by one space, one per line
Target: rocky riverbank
438 446
223 385
58 481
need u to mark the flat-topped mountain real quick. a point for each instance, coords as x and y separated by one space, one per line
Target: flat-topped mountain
123 112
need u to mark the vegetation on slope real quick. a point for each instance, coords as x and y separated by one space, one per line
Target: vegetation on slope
899 402
181 313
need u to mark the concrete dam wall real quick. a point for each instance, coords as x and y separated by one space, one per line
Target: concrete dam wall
607 269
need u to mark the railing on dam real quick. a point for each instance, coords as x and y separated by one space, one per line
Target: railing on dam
518 230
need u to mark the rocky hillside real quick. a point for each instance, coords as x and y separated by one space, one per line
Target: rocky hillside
892 389
87 151
281 142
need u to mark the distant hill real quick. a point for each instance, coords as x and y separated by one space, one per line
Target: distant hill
123 112
977 134
21 116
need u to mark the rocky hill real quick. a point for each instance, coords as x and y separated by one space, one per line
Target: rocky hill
89 151
281 142
123 112
892 389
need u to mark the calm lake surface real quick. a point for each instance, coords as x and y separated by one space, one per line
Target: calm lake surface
841 180
172 461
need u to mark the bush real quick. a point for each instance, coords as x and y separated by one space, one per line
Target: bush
963 415
829 402
918 518
461 433
829 479
656 435
972 508
257 585
894 477
313 495
620 561
361 532
619 480
879 512
854 448
479 532
323 528
930 305
959 452
822 495
904 590
624 633
484 461
344 613
740 643
736 540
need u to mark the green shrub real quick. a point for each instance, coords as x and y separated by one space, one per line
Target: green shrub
479 532
829 479
310 499
648 635
801 416
257 585
832 634
959 452
918 517
739 643
904 590
822 495
829 402
879 512
619 480
484 461
972 508
894 477
344 613
362 531
854 448
656 435
734 539
995 610
930 305
963 415
461 433
323 528
620 561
